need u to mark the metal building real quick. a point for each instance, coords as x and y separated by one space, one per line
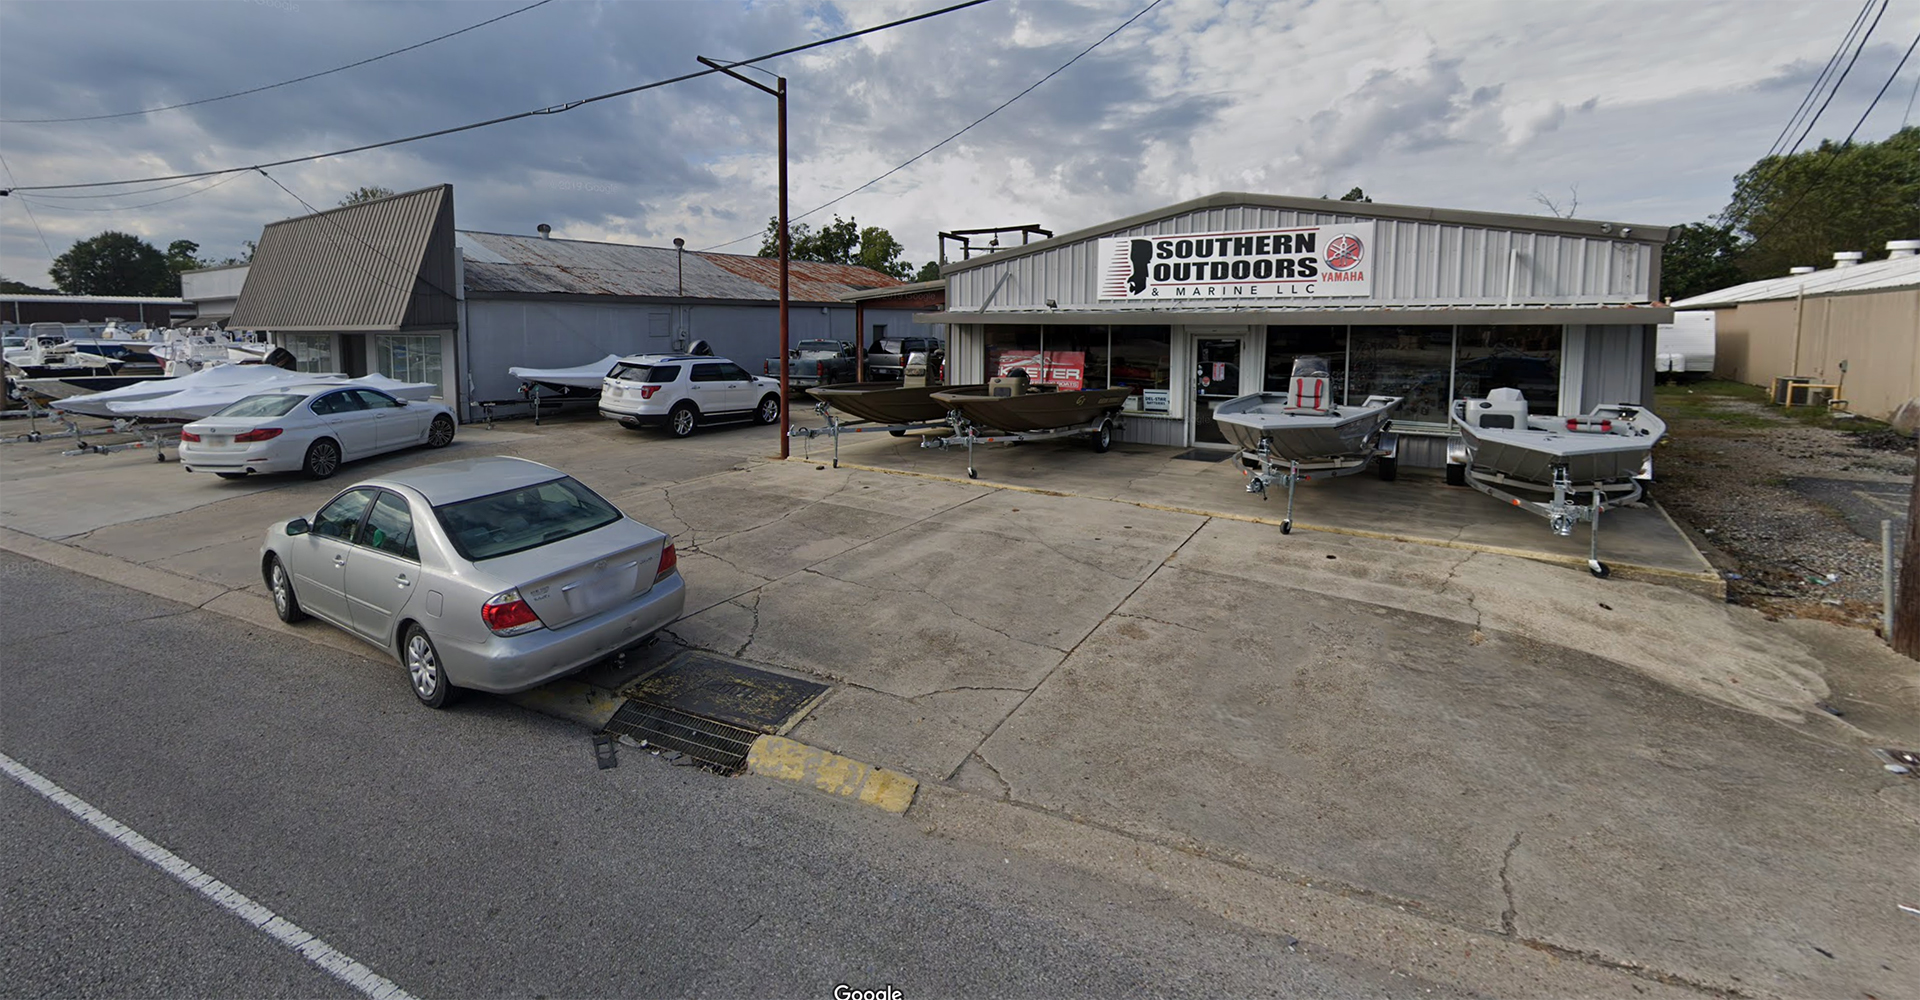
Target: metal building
1212 298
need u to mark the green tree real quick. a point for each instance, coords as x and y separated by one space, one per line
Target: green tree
1699 257
114 263
930 271
184 255
841 241
371 192
1800 209
1355 195
12 287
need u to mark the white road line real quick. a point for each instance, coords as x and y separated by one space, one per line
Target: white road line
328 958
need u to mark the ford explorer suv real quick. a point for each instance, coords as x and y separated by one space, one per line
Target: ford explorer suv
681 392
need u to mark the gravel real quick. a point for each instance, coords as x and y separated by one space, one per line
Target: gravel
1725 471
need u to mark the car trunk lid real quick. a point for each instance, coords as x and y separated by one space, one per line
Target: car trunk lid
579 577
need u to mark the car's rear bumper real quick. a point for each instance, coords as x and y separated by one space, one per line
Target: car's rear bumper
257 459
505 664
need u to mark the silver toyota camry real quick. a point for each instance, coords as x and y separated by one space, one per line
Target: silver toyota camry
496 574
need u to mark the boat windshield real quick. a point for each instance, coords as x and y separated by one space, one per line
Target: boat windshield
275 404
1308 366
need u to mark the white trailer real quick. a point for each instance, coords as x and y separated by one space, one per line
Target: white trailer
1685 351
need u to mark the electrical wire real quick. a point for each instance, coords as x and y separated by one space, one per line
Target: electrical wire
29 208
1819 82
127 208
1834 153
553 110
271 86
909 162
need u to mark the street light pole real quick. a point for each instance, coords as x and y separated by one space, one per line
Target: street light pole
779 91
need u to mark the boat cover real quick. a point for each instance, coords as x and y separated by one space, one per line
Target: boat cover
583 377
192 397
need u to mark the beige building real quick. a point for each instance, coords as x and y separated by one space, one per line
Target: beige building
1853 325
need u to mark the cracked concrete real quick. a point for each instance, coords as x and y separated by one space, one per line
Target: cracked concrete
1509 917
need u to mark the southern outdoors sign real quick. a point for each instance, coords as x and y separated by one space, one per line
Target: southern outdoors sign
1252 264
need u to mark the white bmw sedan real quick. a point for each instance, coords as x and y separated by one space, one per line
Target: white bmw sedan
496 574
311 429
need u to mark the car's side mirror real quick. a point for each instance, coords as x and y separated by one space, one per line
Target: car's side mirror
398 401
298 526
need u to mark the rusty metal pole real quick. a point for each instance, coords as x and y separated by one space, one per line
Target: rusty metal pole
786 392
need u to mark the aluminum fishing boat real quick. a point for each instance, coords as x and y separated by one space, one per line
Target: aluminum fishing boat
1599 456
1287 438
1032 409
890 403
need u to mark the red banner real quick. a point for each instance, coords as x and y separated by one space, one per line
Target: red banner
1066 369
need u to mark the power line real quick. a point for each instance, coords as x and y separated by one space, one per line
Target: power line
553 110
1819 82
128 208
1834 153
1137 16
1910 97
271 86
29 208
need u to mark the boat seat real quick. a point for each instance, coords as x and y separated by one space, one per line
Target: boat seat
1311 394
1503 409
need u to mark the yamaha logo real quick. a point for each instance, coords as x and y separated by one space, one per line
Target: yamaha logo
1344 252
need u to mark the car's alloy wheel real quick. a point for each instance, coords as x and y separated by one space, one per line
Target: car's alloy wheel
682 420
424 672
323 458
285 604
440 433
769 410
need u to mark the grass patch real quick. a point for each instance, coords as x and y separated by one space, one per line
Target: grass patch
1732 404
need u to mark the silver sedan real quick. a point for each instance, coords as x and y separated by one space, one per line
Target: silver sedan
497 574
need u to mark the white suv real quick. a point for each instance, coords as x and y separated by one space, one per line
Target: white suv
682 391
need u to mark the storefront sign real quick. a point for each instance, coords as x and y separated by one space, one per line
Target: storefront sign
1066 369
1155 400
1253 264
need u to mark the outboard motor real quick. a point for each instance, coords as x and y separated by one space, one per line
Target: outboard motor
700 349
280 357
1013 383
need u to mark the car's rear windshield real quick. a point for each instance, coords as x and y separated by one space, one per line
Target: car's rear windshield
516 520
644 373
266 405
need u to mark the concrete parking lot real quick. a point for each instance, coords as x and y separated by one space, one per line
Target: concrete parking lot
1622 772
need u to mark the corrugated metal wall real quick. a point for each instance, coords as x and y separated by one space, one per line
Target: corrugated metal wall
1424 264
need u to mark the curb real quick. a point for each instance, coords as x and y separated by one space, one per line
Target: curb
783 759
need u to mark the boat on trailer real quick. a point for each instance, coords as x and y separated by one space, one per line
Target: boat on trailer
895 404
581 382
1291 437
1602 455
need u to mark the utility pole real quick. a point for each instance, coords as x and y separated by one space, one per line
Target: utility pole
779 91
1906 603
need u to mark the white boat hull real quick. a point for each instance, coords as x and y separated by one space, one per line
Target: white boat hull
1530 454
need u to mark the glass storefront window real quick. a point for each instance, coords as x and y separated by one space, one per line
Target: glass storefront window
1405 361
1526 358
1090 357
312 352
1141 357
1284 343
410 358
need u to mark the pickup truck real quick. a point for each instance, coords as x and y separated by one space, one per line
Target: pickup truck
886 360
815 362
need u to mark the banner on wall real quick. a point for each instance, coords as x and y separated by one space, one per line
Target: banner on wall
1066 369
1316 261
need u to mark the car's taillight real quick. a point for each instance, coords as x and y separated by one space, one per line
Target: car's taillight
668 560
647 391
507 613
189 436
260 434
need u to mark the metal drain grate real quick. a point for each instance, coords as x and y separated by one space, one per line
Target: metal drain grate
717 745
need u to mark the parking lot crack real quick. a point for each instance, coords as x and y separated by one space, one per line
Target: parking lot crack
1006 789
1509 917
1156 621
752 630
1472 597
957 613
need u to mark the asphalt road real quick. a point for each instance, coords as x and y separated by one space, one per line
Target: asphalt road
479 852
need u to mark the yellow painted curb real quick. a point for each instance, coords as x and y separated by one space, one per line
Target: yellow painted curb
787 760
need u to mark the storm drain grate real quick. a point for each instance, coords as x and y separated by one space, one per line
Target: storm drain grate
717 745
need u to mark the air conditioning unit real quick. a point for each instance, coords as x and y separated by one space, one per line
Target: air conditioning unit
1783 384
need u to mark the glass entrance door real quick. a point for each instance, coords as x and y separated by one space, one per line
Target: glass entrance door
1217 378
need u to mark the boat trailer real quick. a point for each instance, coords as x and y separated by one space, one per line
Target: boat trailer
836 427
1262 469
959 430
1565 509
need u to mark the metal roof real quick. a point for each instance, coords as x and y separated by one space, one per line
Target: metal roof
1631 232
503 263
378 265
898 291
1880 276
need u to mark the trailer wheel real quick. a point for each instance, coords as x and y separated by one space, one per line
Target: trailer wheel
1456 474
1103 437
1388 467
1599 569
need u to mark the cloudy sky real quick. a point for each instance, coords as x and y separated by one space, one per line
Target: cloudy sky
1642 111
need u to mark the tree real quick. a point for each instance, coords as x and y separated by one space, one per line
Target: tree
1699 257
1573 202
12 287
930 271
371 192
184 255
1800 209
114 263
1356 195
841 241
